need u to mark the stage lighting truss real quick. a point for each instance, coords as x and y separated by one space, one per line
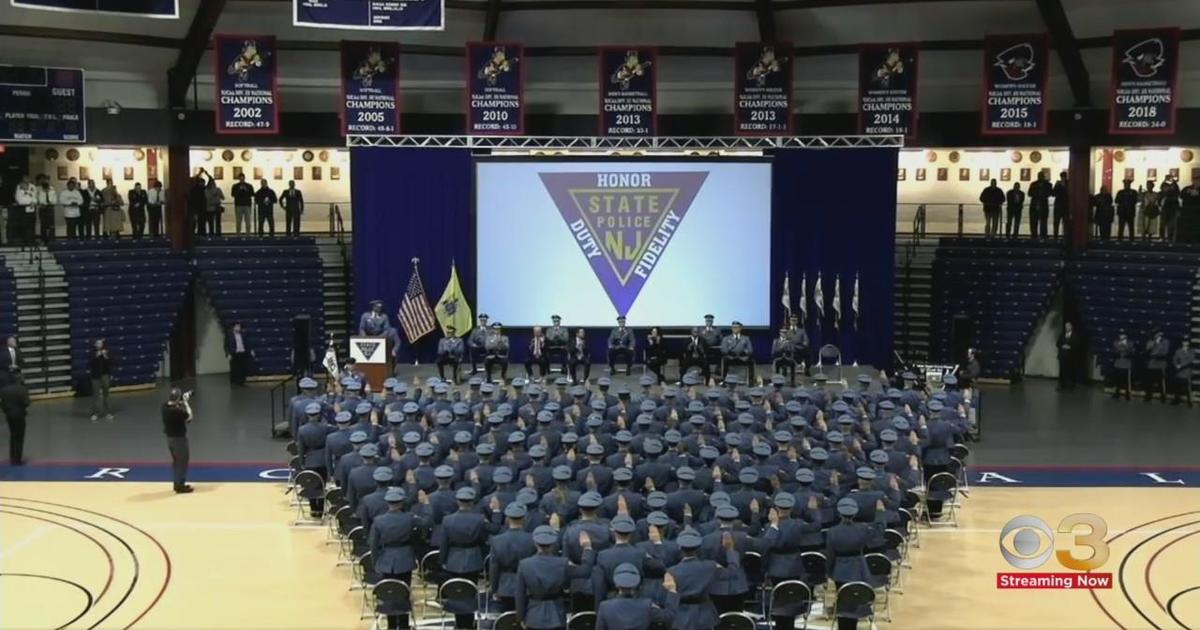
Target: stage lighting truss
603 144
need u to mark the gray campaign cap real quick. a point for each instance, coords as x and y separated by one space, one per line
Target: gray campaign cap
424 449
719 498
465 494
652 447
516 437
307 383
690 379
950 379
595 449
879 457
358 437
343 417
604 381
410 408
486 448
597 404
748 475
784 500
394 417
835 437
411 437
312 409
805 475
845 421
778 380
657 499
865 473
685 473
443 472
783 436
762 450
545 535
527 496
363 408
818 454
590 500
646 380
626 576
562 473
369 450
689 539
570 437
460 408
622 475
545 417
623 524
847 507
624 437
887 435
648 406
503 474
537 451
394 495
462 437
727 513
516 509
841 407
383 474
658 519
708 452
901 424
865 379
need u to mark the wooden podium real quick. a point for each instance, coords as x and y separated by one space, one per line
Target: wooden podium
370 356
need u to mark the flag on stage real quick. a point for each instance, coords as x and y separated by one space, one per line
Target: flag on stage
819 300
416 317
854 304
837 301
803 303
787 296
330 363
452 309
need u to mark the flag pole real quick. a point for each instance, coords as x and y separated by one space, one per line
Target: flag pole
416 355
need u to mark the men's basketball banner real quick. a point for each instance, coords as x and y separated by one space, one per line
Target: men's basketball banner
376 15
887 89
762 102
1015 71
628 91
370 88
127 8
247 84
495 89
1145 89
623 222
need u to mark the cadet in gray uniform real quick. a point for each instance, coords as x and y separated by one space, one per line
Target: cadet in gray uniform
1122 365
557 338
736 350
462 540
844 551
542 579
507 551
391 538
783 353
476 342
449 352
1181 380
1157 351
495 348
628 611
620 347
712 341
693 579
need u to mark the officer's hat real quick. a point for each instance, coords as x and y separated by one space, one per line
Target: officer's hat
623 524
719 498
307 383
312 409
805 475
865 473
503 474
537 451
622 475
343 417
358 437
879 456
784 501
545 536
657 499
562 473
685 473
748 475
626 576
515 510
847 507
394 495
689 539
658 519
887 435
818 454
369 450
383 474
465 494
410 408
485 448
590 500
443 472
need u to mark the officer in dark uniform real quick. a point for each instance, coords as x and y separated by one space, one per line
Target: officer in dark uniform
712 340
693 579
1181 379
1070 348
736 350
627 611
462 539
449 352
557 340
542 579
783 353
360 480
375 503
310 445
1157 351
495 352
476 342
507 551
391 538
1123 352
621 344
1015 202
844 551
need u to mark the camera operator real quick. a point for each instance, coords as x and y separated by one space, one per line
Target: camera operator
177 414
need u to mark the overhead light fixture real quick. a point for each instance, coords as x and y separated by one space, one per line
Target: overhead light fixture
112 107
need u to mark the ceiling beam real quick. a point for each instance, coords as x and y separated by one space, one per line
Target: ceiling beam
784 5
687 5
465 5
1067 46
79 35
191 50
766 20
491 20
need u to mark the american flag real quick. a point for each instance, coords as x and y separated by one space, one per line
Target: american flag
416 316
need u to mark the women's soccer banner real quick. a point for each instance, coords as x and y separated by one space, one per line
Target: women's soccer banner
887 89
247 84
1015 71
370 88
1145 88
495 89
762 103
628 91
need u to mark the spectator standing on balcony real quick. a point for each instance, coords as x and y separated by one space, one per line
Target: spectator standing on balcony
1016 204
111 202
1127 200
1189 213
1062 208
213 200
265 199
1102 212
47 199
72 203
1039 206
992 199
1151 208
292 201
156 198
138 199
1169 196
197 204
21 212
243 196
90 213
100 371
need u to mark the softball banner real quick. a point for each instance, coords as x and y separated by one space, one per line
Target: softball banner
495 88
247 84
370 88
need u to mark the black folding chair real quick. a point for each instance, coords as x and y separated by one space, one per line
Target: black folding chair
393 592
457 590
309 485
582 621
883 576
830 356
735 621
791 593
942 487
507 621
753 567
432 576
855 594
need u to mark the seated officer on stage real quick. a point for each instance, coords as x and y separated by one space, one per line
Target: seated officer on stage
712 341
449 352
783 352
579 355
537 354
695 354
736 350
799 340
476 340
557 340
620 346
495 349
374 323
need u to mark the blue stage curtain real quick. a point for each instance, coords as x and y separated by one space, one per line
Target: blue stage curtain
834 212
411 203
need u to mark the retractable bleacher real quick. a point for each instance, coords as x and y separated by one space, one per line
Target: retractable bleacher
8 301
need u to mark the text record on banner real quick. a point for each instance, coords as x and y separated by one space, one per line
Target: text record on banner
370 88
1015 71
887 89
762 100
375 15
127 8
247 84
42 104
495 89
628 91
1145 89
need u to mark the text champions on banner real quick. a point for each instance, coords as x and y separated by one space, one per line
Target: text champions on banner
247 84
495 89
129 8
762 86
370 88
628 91
1015 72
1145 89
42 104
375 15
887 89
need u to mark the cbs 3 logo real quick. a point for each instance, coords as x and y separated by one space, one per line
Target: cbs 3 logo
1027 542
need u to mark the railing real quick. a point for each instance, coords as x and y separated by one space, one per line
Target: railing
45 340
942 219
280 392
319 218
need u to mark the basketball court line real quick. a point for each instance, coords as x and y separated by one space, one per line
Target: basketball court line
24 542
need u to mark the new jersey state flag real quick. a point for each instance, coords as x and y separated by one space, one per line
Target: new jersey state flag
452 309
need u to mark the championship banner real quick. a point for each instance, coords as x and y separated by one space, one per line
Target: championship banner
374 15
495 89
41 104
1015 70
1145 89
247 84
127 8
628 91
762 85
370 88
887 89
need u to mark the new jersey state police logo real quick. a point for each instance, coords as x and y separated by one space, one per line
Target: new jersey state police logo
1016 62
1146 57
623 222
